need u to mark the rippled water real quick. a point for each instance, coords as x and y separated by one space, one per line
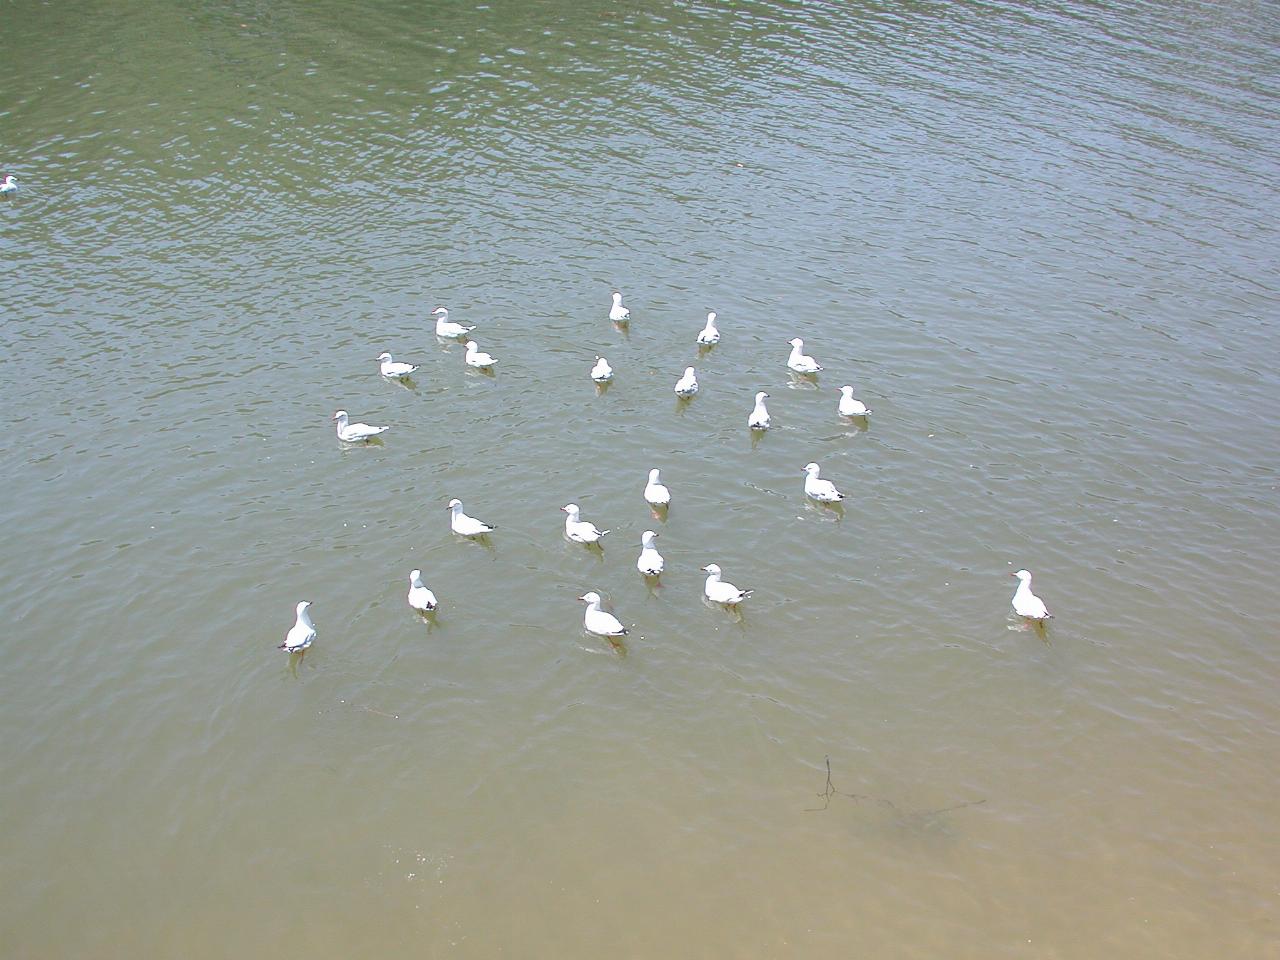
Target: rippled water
1039 239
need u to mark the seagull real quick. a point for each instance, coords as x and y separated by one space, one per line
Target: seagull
446 327
420 598
8 185
823 490
721 591
798 361
650 562
850 407
601 372
598 621
580 531
355 432
1025 603
656 492
394 368
618 313
477 359
687 385
709 334
465 526
301 633
759 419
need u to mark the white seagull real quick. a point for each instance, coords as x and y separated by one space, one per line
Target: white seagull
823 490
420 598
618 313
601 372
301 633
798 361
475 358
355 432
656 492
600 622
687 385
580 531
721 591
850 407
394 368
8 185
1025 603
759 419
650 562
446 327
465 526
709 334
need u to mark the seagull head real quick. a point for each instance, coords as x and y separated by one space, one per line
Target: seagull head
811 469
571 509
303 604
653 475
384 357
648 537
440 312
846 390
688 371
454 504
761 396
617 297
711 316
796 342
340 415
415 576
712 568
590 597
1023 575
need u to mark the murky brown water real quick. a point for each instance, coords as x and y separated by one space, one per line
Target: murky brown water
1039 239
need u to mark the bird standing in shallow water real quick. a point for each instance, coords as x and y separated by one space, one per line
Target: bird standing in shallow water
393 368
848 406
618 313
577 530
598 621
465 526
721 591
798 361
709 335
601 372
1025 603
303 631
355 432
687 385
759 419
822 490
420 598
655 491
650 562
448 328
8 186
